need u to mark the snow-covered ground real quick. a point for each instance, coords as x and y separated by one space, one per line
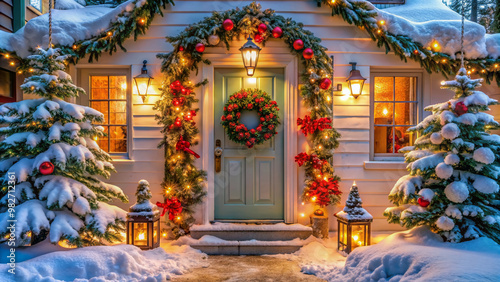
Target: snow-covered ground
415 255
102 263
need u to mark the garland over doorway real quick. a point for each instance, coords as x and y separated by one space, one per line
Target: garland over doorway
183 181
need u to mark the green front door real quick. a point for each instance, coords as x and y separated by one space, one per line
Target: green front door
250 183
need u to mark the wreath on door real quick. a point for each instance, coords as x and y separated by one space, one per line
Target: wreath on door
251 100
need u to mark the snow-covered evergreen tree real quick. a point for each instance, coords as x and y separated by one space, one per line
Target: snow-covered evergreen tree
143 207
454 168
353 209
50 156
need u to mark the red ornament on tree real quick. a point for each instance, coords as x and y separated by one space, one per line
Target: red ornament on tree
181 48
46 168
200 47
258 38
228 24
277 32
298 44
461 108
423 202
308 53
325 83
262 28
178 122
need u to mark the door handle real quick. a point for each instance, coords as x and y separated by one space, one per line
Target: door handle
218 155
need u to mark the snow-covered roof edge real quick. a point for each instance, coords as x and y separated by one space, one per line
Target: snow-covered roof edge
409 30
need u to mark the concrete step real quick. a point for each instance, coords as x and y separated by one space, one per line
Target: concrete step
216 246
246 232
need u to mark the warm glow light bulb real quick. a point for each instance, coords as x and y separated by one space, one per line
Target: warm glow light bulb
385 112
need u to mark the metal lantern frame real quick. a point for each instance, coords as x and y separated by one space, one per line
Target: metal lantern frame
346 242
355 77
143 78
246 50
151 225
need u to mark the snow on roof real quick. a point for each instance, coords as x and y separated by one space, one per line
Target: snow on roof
423 21
431 20
68 27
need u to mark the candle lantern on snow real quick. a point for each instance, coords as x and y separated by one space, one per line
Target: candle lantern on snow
143 220
354 224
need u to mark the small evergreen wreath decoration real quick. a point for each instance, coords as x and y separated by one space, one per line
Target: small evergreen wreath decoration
250 99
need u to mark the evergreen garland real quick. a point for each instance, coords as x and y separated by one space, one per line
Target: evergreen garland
178 65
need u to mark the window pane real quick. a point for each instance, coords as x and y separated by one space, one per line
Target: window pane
118 112
383 139
384 89
405 113
403 138
118 87
406 88
383 113
99 82
103 141
6 81
101 107
37 4
118 139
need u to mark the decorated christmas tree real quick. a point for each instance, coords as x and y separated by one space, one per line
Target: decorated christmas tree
51 165
454 168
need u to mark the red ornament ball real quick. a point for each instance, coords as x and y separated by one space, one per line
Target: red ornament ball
461 108
308 54
181 48
277 32
298 44
178 122
258 38
262 28
228 24
200 47
423 202
46 168
325 83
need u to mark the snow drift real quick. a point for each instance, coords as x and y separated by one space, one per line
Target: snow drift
417 254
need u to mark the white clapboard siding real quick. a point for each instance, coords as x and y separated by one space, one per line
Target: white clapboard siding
351 116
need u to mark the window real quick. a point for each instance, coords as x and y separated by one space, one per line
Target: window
7 86
37 4
108 94
395 106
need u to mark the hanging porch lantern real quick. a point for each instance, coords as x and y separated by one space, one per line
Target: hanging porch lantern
354 224
143 81
143 220
355 81
250 54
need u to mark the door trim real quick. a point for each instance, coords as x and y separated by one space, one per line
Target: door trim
290 64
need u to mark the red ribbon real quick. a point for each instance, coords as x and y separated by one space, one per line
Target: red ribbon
184 146
173 206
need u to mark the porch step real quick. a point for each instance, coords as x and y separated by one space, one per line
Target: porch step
215 246
247 232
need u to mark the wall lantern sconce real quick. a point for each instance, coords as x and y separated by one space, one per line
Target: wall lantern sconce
250 54
355 81
143 81
354 224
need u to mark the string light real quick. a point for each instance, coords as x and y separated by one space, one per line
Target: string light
313 199
496 66
483 71
7 56
328 98
178 218
379 31
303 203
31 70
319 147
443 60
381 22
142 21
12 63
302 215
109 33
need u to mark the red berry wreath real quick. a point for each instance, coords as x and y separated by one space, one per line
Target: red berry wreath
250 99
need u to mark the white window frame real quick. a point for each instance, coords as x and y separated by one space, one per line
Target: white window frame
84 75
418 73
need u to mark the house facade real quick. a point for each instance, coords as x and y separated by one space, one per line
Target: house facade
264 183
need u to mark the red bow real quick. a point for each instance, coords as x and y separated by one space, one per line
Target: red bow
184 146
309 126
173 206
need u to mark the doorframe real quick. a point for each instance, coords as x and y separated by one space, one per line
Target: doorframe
290 65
